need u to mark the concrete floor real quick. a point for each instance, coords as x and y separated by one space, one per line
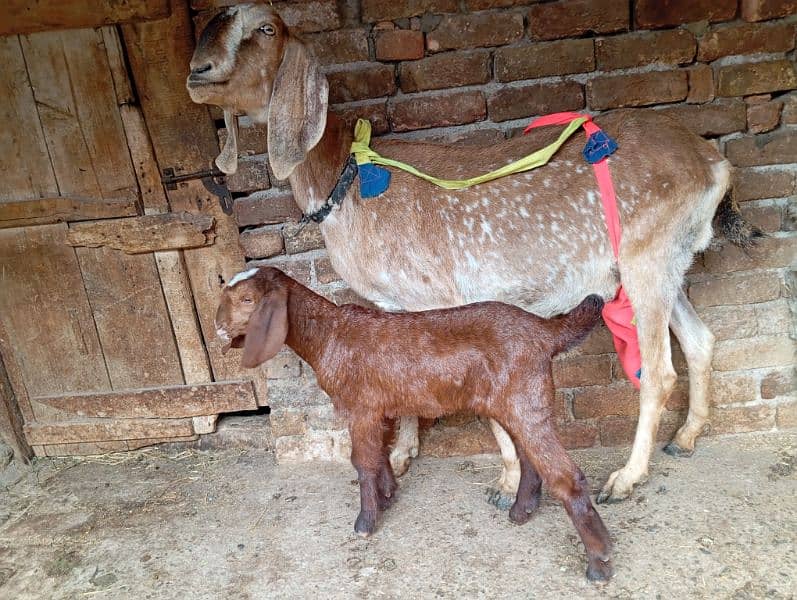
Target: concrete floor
233 525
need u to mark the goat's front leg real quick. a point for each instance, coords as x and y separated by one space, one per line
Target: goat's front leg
406 446
528 492
368 458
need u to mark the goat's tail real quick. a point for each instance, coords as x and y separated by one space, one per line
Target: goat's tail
730 224
576 325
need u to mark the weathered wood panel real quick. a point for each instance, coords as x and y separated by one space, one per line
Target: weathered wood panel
116 62
75 96
132 320
168 231
24 160
106 430
184 138
46 315
11 420
57 210
24 16
161 402
84 449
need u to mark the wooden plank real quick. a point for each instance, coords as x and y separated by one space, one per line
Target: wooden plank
24 16
136 235
45 314
116 62
24 160
137 444
84 448
11 431
184 138
162 402
74 92
131 317
106 430
57 210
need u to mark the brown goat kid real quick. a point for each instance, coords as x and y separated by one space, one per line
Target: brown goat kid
489 358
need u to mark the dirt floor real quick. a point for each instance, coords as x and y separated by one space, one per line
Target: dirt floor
231 525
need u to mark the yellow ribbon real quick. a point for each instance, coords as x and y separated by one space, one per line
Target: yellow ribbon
363 154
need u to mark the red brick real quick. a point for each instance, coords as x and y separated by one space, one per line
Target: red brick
640 89
755 78
582 370
311 15
570 18
452 69
752 184
439 110
474 5
302 237
789 108
654 14
399 44
471 137
767 218
778 147
786 417
754 353
742 289
341 46
619 399
741 419
701 84
761 10
734 387
763 117
730 322
261 242
745 39
349 296
375 112
673 47
251 176
600 341
325 272
778 383
298 269
475 31
251 140
286 421
767 253
544 59
577 435
472 438
771 316
388 10
718 118
619 431
536 99
258 210
371 81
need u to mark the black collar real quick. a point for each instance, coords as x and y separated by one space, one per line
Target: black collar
337 194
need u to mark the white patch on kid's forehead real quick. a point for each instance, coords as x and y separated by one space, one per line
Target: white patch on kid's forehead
239 277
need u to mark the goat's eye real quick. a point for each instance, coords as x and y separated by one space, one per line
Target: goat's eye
268 29
247 301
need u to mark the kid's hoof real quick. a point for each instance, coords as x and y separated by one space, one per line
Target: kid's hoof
519 515
675 450
599 570
365 524
501 500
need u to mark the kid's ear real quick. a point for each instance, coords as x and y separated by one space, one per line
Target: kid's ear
267 329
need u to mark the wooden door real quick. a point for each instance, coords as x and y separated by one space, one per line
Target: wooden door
104 350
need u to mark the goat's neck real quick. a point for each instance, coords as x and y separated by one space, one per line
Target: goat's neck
314 179
311 323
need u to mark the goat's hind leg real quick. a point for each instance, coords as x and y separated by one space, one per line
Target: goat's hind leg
367 456
697 342
406 446
528 492
503 496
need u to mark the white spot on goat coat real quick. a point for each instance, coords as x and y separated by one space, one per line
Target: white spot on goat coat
238 278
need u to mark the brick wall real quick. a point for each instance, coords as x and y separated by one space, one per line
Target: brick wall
475 71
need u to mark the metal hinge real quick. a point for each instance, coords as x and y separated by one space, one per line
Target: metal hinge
210 179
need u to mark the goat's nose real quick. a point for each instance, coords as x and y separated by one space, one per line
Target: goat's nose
203 69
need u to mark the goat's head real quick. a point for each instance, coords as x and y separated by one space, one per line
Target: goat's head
253 314
247 62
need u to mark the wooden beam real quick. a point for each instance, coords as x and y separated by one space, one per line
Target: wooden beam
106 430
162 402
11 423
44 211
136 235
24 16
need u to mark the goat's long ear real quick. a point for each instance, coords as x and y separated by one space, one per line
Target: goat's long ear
297 113
267 329
227 161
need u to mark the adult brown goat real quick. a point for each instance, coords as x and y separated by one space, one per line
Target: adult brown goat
537 240
489 358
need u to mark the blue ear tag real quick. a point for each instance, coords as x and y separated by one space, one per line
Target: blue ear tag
599 145
373 180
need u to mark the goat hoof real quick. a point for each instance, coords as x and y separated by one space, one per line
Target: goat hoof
365 524
519 515
675 450
501 500
599 570
399 462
